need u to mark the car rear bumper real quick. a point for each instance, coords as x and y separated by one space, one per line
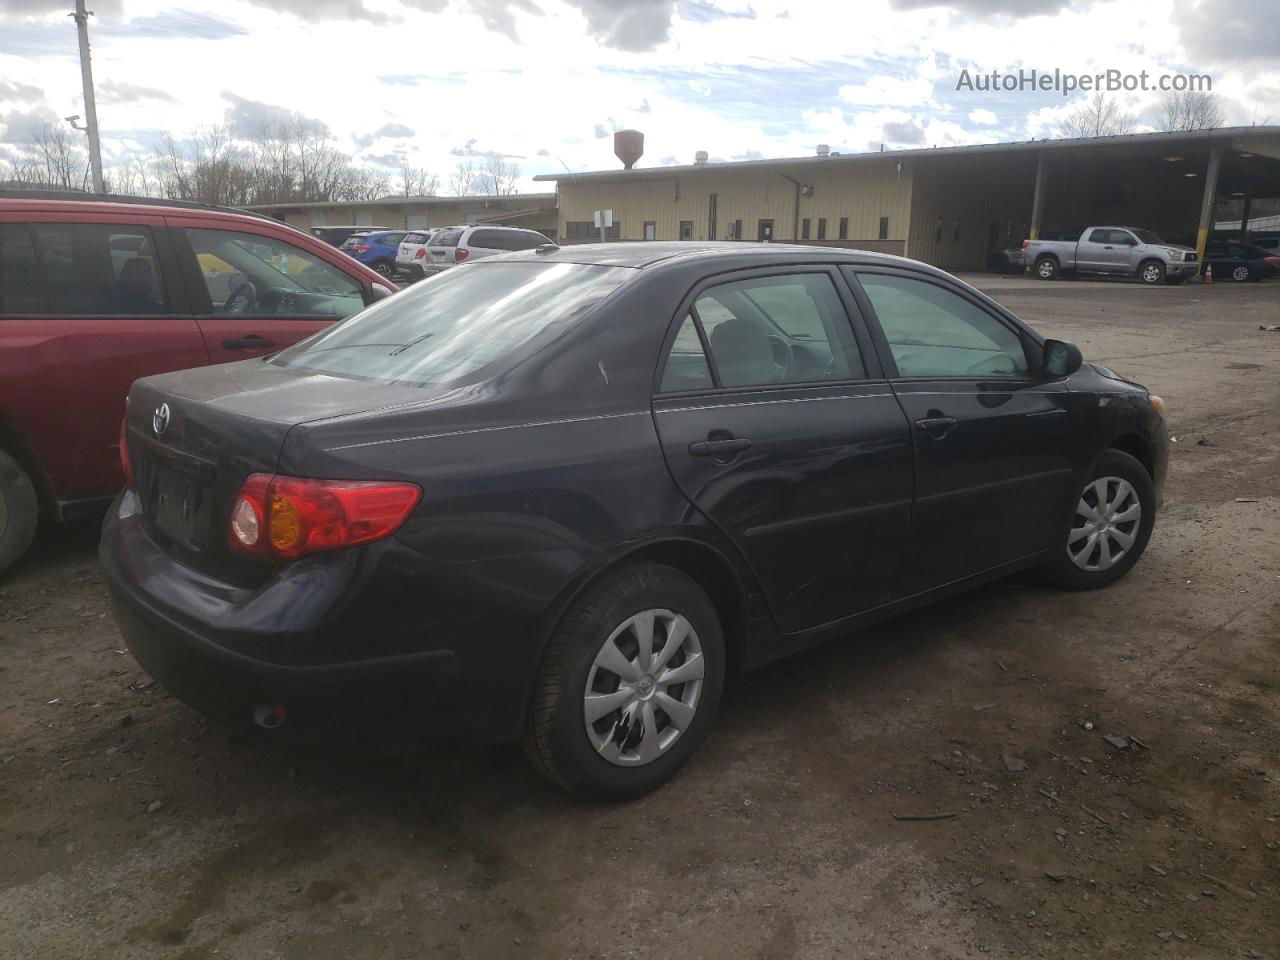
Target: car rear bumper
303 674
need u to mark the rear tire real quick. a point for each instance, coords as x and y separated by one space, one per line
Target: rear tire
1083 561
19 511
637 745
1241 273
1047 268
384 268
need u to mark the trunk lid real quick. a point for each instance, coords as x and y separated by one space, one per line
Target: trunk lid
195 435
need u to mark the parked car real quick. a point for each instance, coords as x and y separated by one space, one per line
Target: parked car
1231 259
375 249
411 256
1270 244
454 245
1124 251
562 495
94 294
336 236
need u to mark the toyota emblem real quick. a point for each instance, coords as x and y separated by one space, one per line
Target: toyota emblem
160 419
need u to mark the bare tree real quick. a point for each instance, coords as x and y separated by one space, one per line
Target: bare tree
1099 116
499 177
462 180
59 161
417 181
1191 110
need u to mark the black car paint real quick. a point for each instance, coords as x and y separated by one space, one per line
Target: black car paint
538 480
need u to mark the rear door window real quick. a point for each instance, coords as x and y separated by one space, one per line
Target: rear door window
446 238
99 269
20 289
489 240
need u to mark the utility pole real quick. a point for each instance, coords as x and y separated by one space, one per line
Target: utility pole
81 17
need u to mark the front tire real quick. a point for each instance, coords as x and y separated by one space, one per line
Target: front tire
629 684
1151 273
1110 525
19 511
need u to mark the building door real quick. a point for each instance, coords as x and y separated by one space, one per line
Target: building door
764 231
650 230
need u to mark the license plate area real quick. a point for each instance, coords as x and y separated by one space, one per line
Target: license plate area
182 509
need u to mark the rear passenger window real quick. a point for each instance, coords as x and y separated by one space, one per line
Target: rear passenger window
686 367
99 268
933 332
769 330
20 290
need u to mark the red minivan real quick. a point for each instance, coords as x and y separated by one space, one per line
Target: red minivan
95 293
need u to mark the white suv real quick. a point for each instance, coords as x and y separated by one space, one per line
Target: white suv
411 255
453 245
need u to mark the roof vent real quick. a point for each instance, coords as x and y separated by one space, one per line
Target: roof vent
628 146
700 157
823 150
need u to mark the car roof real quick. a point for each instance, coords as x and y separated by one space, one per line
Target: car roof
33 202
728 252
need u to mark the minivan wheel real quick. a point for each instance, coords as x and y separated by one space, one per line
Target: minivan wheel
19 511
1047 268
629 684
1151 272
1110 525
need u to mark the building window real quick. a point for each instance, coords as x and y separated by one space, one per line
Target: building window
884 228
844 228
955 233
586 230
686 229
711 217
822 228
650 230
804 229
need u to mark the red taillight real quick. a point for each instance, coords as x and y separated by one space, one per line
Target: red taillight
460 254
360 248
289 517
422 252
1025 244
125 464
1271 259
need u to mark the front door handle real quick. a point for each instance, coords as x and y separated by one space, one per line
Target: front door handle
936 426
250 342
727 448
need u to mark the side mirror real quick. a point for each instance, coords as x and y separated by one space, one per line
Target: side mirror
1061 359
378 292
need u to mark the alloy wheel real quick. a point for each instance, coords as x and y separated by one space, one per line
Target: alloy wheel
1240 273
1151 273
1106 524
1045 269
383 269
643 688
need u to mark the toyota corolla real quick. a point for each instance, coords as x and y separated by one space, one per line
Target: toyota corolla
564 495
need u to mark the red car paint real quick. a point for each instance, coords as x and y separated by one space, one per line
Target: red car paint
63 378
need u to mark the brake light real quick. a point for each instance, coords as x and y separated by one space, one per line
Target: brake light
1025 244
422 252
290 517
125 463
361 248
1271 259
460 254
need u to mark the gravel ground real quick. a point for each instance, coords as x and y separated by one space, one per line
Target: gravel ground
129 827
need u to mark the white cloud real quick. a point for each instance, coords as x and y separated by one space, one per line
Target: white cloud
982 117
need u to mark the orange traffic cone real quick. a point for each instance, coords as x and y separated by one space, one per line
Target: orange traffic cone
1208 274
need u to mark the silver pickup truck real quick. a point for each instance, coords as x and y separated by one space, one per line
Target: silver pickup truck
1126 251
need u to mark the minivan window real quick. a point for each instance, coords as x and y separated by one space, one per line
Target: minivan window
446 238
445 329
98 269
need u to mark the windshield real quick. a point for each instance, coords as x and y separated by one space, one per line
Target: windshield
1146 236
448 327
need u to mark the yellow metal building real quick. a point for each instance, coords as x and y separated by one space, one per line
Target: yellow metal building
537 211
951 207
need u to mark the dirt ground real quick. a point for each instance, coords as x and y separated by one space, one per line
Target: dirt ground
129 827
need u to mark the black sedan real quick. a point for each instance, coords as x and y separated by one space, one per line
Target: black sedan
562 496
1233 260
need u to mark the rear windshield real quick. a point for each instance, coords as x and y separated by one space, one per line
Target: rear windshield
415 238
451 326
446 238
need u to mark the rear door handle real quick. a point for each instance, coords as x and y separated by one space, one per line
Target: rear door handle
251 342
936 426
719 448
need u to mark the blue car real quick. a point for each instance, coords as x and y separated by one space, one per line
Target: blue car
375 248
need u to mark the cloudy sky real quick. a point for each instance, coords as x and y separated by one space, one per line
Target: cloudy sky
545 82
